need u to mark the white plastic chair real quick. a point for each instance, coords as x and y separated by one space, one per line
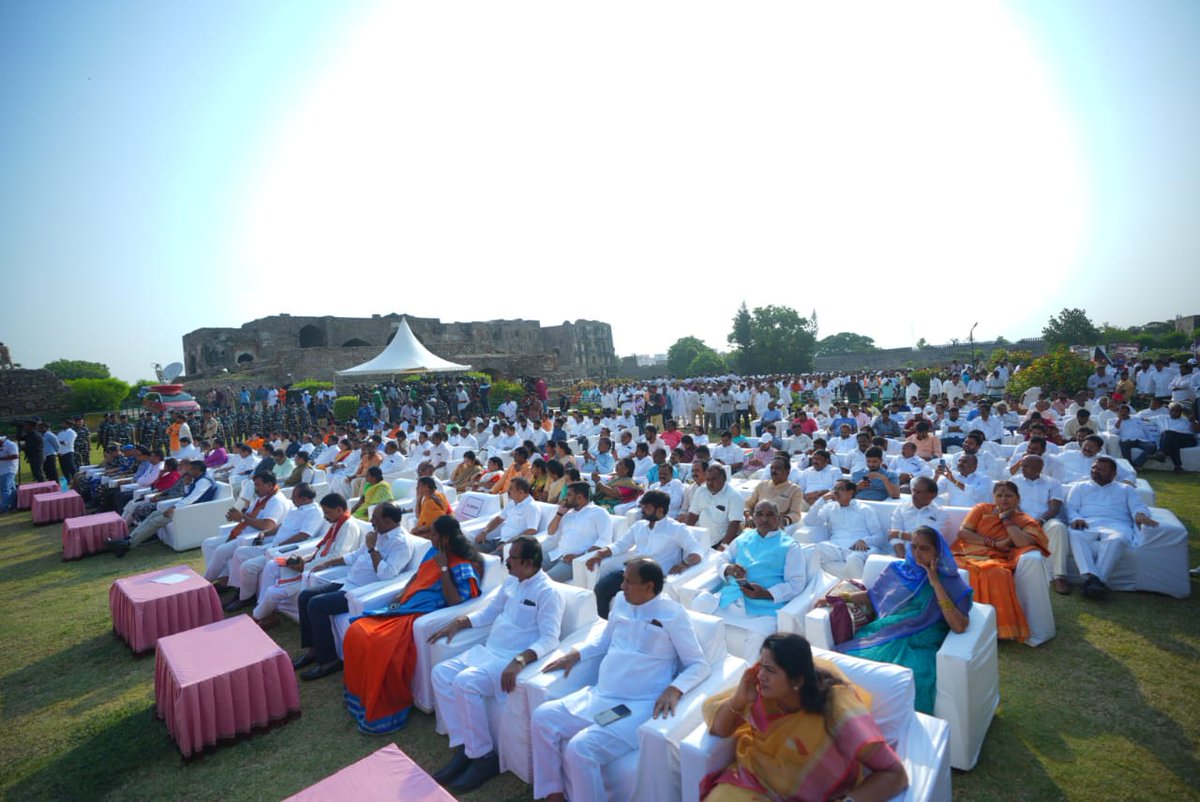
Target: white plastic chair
190 525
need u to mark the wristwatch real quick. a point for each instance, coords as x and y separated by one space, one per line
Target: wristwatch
520 659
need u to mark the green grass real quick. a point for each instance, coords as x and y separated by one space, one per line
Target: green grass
1108 710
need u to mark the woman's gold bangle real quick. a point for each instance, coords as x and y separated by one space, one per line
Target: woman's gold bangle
733 709
946 605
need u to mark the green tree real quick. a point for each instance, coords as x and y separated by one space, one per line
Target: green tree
1071 327
780 341
742 336
707 363
67 369
845 342
681 354
96 395
1060 371
922 344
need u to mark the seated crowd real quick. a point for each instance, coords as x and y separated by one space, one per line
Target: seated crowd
964 492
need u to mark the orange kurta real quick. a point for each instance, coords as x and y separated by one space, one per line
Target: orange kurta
991 570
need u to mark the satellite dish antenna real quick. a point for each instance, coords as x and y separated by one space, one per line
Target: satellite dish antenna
171 372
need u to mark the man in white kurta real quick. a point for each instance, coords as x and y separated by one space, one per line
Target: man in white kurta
965 487
302 522
716 507
384 553
265 512
669 543
1042 497
647 636
526 619
580 527
1105 516
853 531
343 536
917 510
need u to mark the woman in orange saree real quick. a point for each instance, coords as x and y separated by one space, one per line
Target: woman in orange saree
379 654
991 540
430 505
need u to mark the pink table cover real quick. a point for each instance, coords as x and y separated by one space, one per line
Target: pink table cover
50 507
384 776
222 680
144 610
86 534
25 493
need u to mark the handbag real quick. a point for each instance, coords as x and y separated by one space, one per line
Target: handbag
846 617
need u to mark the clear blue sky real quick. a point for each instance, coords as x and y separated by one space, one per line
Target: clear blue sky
169 166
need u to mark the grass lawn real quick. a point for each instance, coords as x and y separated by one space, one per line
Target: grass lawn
1108 710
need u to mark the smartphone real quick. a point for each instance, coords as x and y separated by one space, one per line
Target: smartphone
606 717
286 549
941 463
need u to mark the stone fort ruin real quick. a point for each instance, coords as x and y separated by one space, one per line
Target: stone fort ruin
283 348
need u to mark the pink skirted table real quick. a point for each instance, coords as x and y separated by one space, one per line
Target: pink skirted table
383 776
220 681
26 492
150 606
87 533
51 507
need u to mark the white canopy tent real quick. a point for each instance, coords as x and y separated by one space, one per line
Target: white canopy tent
404 354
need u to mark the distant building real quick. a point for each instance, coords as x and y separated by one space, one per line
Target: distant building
1188 324
283 347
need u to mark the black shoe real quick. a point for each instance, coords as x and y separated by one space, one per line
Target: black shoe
323 670
1093 588
303 660
480 771
117 547
236 604
457 765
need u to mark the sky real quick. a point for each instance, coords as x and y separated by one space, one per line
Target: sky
906 170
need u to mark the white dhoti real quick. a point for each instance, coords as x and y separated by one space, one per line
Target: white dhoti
570 750
1098 549
462 686
244 569
218 551
278 596
841 561
744 633
340 483
1060 547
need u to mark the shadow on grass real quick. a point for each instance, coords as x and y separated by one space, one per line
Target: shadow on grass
103 763
84 672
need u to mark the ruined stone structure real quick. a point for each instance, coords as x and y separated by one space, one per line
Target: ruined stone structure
31 392
284 348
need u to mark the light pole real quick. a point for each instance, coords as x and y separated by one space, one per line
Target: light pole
971 337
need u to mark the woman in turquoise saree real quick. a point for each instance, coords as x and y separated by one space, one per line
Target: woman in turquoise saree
917 602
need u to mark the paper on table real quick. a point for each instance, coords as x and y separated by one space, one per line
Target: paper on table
171 579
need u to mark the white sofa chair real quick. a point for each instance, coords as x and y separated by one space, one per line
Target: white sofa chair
509 718
190 525
582 577
744 634
968 672
650 772
1157 561
922 742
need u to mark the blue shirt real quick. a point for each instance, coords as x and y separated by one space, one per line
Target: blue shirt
878 490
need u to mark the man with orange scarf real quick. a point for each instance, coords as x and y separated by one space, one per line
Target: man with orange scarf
265 513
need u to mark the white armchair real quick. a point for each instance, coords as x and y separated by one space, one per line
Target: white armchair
921 741
968 672
744 634
650 772
509 718
190 525
1157 561
584 578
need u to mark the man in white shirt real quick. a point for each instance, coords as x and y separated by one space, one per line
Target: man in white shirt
853 531
302 522
1104 515
580 527
817 479
667 542
645 640
991 425
526 617
383 554
200 488
66 450
716 507
1042 498
799 443
10 456
281 585
265 513
985 463
519 517
966 486
1069 467
921 509
729 454
908 466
